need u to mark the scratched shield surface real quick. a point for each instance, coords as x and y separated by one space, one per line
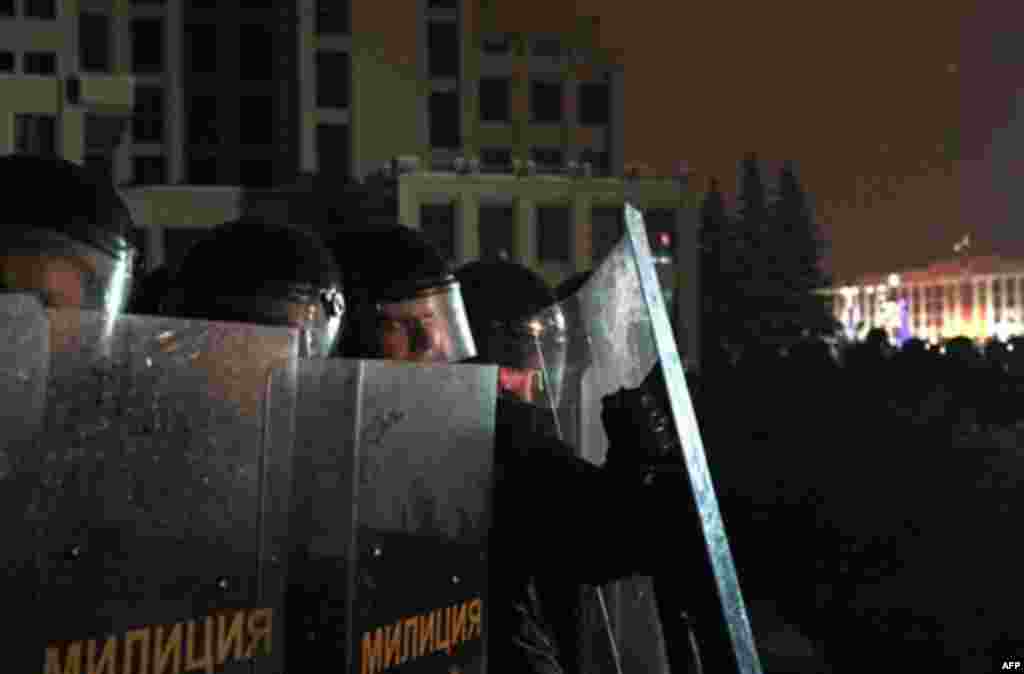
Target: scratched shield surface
390 516
24 362
154 489
620 333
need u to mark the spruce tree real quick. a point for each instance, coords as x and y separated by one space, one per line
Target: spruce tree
798 247
754 279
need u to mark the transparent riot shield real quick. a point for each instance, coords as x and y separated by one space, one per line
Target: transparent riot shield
148 501
391 513
619 333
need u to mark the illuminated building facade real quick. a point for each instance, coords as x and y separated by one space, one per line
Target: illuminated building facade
978 297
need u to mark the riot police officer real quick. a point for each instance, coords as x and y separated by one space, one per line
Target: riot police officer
405 303
64 235
551 509
268 273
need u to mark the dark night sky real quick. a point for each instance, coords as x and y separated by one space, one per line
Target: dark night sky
905 119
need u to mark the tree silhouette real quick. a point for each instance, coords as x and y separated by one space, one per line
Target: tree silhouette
754 278
797 246
718 266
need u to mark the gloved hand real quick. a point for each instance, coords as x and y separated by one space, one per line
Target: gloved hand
640 430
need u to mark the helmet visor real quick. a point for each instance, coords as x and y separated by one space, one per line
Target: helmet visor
66 272
430 327
531 352
319 321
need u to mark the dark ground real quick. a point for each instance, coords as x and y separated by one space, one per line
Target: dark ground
874 506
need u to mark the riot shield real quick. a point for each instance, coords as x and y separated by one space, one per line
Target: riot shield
391 513
144 512
620 333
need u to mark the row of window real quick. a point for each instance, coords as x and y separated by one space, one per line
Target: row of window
497 230
32 62
29 9
546 101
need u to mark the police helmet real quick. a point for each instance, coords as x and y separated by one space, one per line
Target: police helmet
407 304
518 325
256 272
64 234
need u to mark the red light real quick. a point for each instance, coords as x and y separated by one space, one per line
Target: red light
665 239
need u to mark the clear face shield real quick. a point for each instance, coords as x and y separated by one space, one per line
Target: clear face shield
65 272
318 315
531 353
431 327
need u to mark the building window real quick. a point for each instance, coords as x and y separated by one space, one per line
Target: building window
495 99
333 76
445 130
548 159
201 48
333 17
595 104
607 227
149 170
202 170
497 232
333 148
40 63
437 222
546 102
547 48
148 118
257 121
102 134
41 9
202 120
443 49
496 45
256 55
496 160
148 45
1011 292
6 61
35 134
553 233
256 172
7 8
94 42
